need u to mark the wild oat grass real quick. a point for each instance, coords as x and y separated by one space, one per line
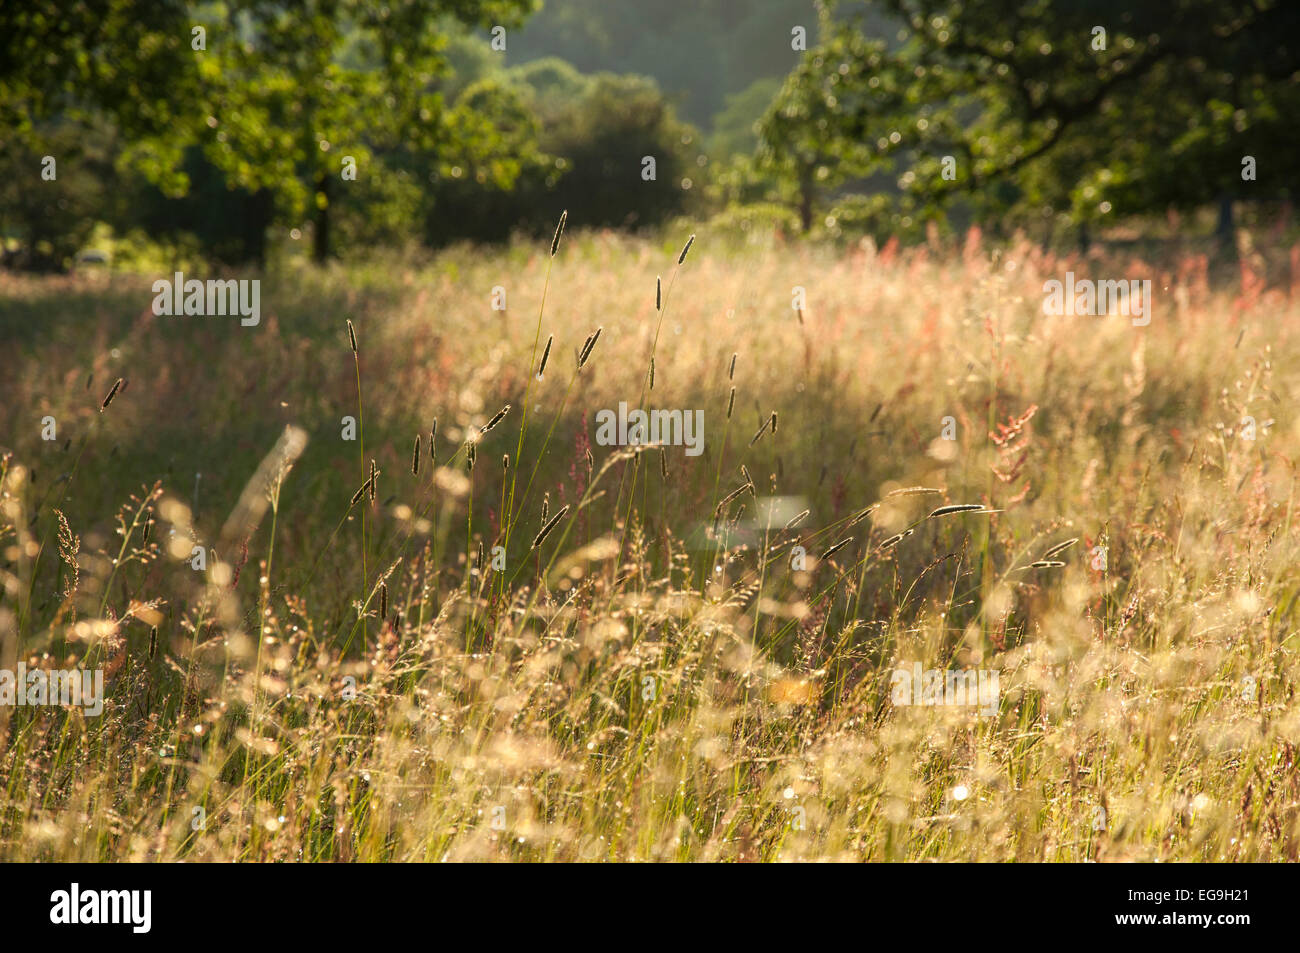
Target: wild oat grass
642 681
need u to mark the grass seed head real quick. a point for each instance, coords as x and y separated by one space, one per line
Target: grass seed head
111 394
837 547
548 526
956 508
587 347
559 230
541 368
496 419
1060 548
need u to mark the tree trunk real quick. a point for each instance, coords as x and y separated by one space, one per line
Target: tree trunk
805 197
1226 230
258 213
321 234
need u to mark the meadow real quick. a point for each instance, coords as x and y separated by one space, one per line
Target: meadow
512 642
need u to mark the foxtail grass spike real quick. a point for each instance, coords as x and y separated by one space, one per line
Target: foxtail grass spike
559 230
496 419
588 347
728 498
550 525
541 369
956 508
111 394
837 547
1060 548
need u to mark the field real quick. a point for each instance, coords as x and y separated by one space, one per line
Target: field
662 660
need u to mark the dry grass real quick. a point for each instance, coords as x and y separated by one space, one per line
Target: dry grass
643 681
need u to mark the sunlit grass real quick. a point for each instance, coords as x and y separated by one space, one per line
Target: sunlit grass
657 679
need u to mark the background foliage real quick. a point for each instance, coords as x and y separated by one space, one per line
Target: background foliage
476 119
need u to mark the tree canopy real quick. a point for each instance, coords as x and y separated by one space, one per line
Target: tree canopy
275 96
1045 108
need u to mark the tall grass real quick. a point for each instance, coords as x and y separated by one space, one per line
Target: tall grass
683 658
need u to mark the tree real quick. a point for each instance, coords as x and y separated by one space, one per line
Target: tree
50 196
606 138
275 95
125 58
815 133
290 95
484 188
1085 111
